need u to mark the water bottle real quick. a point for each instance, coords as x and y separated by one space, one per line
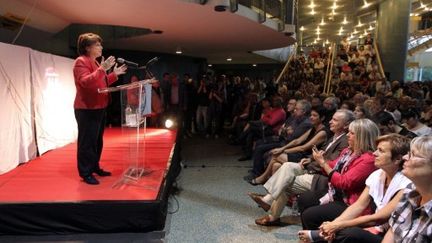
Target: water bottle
128 116
295 208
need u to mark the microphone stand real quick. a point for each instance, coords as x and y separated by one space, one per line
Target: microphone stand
149 74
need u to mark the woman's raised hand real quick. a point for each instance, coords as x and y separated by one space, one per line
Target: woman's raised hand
120 70
108 63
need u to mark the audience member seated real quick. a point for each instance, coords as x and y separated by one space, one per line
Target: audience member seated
249 110
298 148
347 174
290 107
348 105
411 221
410 118
268 125
293 128
346 75
296 178
387 124
392 107
384 189
331 104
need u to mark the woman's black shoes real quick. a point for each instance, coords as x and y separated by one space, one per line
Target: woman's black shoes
101 172
91 180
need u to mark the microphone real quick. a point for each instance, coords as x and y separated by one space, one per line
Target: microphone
153 60
129 63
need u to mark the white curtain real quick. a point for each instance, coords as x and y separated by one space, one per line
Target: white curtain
17 141
54 94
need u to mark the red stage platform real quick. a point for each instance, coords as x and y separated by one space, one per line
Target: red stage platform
51 184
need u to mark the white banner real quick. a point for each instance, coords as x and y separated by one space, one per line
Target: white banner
54 94
17 142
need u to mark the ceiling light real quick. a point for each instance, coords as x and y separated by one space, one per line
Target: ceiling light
178 50
312 5
254 65
359 23
229 59
333 13
334 6
302 28
366 4
355 31
322 21
312 12
345 21
370 27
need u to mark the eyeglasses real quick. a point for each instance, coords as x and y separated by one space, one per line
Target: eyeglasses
411 155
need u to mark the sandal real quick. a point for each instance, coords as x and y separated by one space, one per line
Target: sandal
258 199
265 221
254 182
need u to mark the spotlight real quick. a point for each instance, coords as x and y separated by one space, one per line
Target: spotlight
169 123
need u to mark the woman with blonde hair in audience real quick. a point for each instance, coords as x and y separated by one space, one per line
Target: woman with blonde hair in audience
346 174
411 221
384 189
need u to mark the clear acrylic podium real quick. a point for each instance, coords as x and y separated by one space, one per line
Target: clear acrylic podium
135 106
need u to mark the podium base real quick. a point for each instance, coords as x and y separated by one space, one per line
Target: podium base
134 173
131 176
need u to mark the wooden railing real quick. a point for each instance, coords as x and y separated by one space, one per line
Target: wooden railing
287 63
329 71
378 58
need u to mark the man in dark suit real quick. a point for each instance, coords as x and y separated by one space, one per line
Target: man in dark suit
296 178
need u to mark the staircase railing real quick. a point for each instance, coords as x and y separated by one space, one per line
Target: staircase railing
287 64
378 57
329 71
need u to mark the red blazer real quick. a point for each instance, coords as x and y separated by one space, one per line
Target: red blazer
352 181
274 118
89 76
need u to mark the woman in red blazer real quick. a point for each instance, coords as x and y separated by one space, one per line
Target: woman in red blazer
90 105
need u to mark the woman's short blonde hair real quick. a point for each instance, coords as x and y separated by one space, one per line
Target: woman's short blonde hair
423 145
366 132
